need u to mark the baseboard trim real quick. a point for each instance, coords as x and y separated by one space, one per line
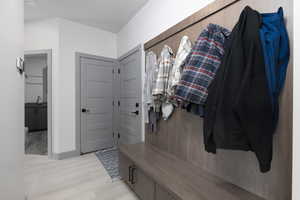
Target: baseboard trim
65 155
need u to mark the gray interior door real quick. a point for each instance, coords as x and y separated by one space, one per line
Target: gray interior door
130 98
96 103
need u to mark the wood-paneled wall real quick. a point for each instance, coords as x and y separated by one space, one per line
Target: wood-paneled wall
182 134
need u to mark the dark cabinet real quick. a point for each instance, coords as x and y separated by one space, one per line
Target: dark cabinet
36 116
44 116
32 118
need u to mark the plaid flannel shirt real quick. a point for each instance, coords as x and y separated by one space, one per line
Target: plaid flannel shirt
151 71
184 49
165 66
201 65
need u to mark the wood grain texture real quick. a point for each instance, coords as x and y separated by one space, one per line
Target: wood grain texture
80 178
182 134
144 186
182 180
162 194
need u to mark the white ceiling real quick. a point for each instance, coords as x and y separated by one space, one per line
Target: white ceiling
109 15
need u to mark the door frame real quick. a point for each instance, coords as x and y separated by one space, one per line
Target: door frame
47 52
78 56
138 49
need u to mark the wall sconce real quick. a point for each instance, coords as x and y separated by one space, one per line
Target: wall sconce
20 64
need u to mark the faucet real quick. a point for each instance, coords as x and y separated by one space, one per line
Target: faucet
38 99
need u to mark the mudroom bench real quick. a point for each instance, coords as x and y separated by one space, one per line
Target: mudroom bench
157 175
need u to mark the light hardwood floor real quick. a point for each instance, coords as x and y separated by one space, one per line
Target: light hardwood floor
81 178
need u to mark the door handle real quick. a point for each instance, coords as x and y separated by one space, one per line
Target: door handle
136 112
132 175
84 110
129 174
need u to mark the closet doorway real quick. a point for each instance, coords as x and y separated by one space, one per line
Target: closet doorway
38 102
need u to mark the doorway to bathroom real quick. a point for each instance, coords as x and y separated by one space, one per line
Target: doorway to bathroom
38 102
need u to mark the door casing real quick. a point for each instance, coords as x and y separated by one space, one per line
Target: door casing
47 52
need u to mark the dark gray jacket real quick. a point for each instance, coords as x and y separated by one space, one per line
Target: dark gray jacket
238 113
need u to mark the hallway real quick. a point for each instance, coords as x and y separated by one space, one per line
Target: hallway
80 178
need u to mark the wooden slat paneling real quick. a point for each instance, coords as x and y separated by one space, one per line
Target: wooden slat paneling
182 134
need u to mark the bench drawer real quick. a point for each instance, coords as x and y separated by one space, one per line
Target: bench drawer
125 165
144 186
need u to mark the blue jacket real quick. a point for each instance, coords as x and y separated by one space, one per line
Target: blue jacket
275 43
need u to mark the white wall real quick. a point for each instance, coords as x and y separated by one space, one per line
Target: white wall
11 101
65 38
154 18
296 106
75 37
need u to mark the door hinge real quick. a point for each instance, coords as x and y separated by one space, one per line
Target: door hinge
119 71
119 103
113 103
113 71
119 135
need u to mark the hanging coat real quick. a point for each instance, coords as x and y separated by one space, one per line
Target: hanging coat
238 113
275 43
159 91
202 64
183 51
151 70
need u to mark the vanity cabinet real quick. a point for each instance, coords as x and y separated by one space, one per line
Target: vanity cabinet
36 116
